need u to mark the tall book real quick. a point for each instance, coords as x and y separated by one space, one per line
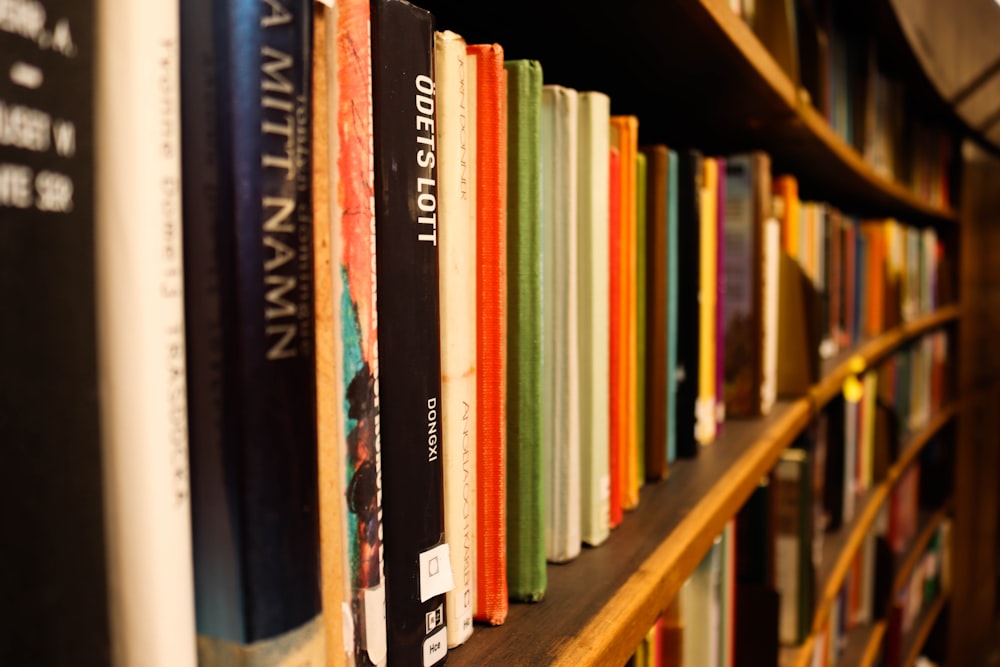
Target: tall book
673 291
560 355
140 303
347 362
251 347
490 169
793 544
641 169
54 476
688 273
625 136
457 243
705 415
657 422
616 390
720 294
748 194
593 271
410 410
526 578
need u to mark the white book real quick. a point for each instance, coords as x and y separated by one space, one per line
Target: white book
593 273
141 333
457 248
560 341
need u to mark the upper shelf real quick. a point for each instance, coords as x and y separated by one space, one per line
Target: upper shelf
696 76
598 607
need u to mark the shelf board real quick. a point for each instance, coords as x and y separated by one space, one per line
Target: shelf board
915 639
840 547
908 560
683 67
863 644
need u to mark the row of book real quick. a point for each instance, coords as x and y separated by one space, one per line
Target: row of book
409 325
828 49
756 590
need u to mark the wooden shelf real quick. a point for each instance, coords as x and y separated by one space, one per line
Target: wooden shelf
915 551
863 644
598 607
697 77
915 639
840 548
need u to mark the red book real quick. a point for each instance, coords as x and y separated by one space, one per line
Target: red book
491 310
617 398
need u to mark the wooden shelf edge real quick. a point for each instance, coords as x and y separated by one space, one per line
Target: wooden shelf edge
874 644
868 513
611 637
916 550
874 350
918 636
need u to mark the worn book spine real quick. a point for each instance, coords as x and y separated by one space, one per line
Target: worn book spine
593 271
560 356
491 352
406 235
457 287
251 353
526 575
140 288
705 424
54 577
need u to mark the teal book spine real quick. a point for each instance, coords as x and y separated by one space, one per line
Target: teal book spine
525 496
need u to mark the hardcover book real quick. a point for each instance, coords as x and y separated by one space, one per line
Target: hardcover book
593 271
641 168
560 355
490 169
251 347
457 287
53 482
410 410
616 390
673 289
705 415
688 273
347 340
526 576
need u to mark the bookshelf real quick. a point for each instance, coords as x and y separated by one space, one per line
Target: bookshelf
684 67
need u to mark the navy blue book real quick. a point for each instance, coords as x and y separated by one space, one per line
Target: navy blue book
54 577
416 565
249 309
688 277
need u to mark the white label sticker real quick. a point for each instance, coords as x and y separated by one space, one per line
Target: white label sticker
436 647
435 572
375 641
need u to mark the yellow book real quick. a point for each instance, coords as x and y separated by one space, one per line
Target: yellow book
705 424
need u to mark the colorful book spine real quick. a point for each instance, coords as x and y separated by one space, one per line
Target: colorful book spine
526 577
705 416
348 400
140 302
560 340
616 390
410 409
491 352
593 271
251 351
55 573
457 244
641 168
673 290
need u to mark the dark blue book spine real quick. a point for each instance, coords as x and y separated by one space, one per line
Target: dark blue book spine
249 271
409 341
688 276
54 573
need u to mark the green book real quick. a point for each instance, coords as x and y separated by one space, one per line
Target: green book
525 497
640 312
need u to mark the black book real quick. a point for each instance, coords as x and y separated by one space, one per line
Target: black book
833 486
54 580
409 341
249 309
688 272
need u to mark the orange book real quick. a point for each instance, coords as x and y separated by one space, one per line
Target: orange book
786 190
491 311
875 278
615 358
625 137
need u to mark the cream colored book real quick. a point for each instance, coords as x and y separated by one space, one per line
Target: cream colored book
457 248
592 281
560 342
769 369
141 333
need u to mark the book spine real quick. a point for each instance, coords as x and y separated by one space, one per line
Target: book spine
560 356
593 272
491 354
720 294
140 291
655 330
641 169
248 218
705 417
525 496
673 289
616 411
689 271
457 244
55 576
406 233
